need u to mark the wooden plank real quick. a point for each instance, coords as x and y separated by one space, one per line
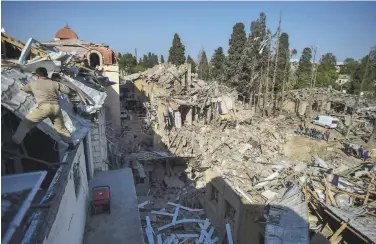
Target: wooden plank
334 237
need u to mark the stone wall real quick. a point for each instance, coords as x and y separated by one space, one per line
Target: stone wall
98 142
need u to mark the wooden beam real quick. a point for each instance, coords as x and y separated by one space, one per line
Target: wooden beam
368 190
334 237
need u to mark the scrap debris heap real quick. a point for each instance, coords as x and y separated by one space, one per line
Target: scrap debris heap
204 127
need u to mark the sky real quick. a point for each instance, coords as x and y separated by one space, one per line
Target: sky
347 29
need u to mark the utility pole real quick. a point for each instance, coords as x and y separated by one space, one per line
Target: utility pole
276 59
358 97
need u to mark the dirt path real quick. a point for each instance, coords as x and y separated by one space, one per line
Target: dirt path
301 148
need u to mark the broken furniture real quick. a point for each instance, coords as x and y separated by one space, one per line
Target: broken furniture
101 200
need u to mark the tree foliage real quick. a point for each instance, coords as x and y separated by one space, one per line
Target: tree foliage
127 64
177 51
349 66
162 59
193 64
369 85
235 51
304 69
203 67
149 61
327 72
283 60
217 64
254 57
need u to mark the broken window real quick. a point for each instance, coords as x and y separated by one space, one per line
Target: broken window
76 178
214 194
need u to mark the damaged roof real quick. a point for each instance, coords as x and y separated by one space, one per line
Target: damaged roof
21 103
288 220
364 224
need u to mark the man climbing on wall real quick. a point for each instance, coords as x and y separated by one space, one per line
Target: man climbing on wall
46 93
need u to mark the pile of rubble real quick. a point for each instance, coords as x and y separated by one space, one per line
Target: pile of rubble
178 224
242 153
178 84
249 152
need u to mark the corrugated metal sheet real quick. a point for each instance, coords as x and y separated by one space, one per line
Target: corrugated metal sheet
22 103
287 220
96 97
364 224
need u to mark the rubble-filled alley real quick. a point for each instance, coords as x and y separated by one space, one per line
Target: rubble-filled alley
212 167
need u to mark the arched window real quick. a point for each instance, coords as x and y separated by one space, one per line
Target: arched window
95 60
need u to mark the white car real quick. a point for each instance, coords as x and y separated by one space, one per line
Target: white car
326 121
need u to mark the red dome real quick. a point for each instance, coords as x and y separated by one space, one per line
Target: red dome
66 33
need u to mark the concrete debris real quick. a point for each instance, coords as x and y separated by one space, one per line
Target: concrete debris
264 162
269 194
173 182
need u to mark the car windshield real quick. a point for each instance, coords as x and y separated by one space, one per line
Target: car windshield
317 118
334 122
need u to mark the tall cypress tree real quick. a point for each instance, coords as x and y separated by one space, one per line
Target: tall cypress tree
235 51
304 68
177 51
283 60
162 59
252 61
193 64
203 67
217 63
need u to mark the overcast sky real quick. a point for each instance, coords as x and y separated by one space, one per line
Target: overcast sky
347 29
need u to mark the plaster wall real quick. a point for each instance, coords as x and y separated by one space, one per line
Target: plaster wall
69 225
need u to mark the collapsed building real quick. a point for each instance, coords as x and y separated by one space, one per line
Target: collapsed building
45 189
210 152
206 169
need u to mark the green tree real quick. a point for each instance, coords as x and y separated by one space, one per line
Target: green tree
235 51
119 55
162 59
327 72
349 66
193 64
127 63
283 60
304 69
254 57
145 61
177 51
369 77
217 64
203 67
